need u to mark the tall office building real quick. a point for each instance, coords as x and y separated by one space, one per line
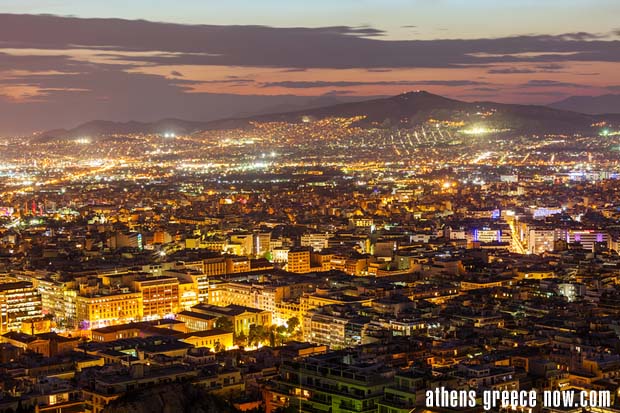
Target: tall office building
298 260
19 302
160 296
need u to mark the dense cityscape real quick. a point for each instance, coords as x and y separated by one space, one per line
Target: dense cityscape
334 207
309 266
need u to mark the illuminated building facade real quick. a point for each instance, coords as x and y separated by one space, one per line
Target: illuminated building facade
326 329
361 222
298 261
214 339
279 254
241 244
242 318
327 383
52 293
193 286
195 321
245 294
321 260
235 265
127 240
160 296
540 240
277 299
104 310
262 243
587 238
214 266
188 295
316 241
19 302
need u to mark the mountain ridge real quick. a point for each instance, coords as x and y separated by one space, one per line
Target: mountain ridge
596 105
405 110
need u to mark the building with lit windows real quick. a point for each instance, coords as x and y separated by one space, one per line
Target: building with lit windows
214 266
19 302
100 310
195 321
193 286
214 245
361 222
321 261
298 261
126 240
242 318
236 264
326 329
262 243
486 234
161 237
160 296
267 296
188 295
57 297
316 241
214 339
245 294
52 293
241 244
587 238
330 382
279 254
540 240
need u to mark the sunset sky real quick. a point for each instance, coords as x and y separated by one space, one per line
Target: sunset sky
64 62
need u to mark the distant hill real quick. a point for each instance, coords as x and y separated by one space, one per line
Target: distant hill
316 102
407 109
178 126
411 108
105 127
590 104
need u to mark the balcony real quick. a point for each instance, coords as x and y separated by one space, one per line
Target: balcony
396 403
348 407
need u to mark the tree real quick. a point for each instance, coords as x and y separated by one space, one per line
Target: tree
253 335
224 323
292 324
240 339
257 335
281 331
